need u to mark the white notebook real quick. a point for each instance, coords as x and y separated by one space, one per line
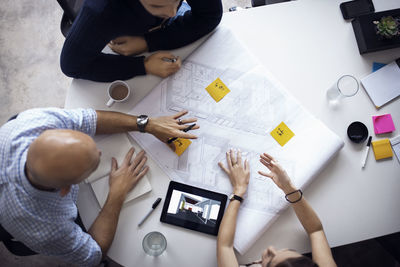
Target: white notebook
395 141
116 145
101 187
383 85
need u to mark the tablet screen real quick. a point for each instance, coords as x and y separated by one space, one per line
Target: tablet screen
193 208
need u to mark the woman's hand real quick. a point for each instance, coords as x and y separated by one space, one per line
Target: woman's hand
277 174
239 174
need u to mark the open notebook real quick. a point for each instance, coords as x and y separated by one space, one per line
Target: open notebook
116 145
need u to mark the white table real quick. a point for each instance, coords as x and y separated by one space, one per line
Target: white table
307 45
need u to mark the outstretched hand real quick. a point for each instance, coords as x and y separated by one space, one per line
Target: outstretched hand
167 127
238 172
124 178
278 175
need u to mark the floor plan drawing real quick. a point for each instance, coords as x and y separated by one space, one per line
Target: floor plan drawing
244 118
248 106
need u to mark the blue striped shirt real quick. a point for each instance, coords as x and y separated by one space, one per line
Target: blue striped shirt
42 220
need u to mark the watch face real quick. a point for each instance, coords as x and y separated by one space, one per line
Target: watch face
142 119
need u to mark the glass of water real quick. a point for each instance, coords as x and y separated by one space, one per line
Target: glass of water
346 86
154 243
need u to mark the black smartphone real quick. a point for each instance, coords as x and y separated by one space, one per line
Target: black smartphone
352 9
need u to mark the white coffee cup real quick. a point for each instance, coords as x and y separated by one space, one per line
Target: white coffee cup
118 91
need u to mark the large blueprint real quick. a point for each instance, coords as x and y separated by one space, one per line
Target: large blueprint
243 119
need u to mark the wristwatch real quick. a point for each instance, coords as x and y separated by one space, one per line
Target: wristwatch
235 197
141 122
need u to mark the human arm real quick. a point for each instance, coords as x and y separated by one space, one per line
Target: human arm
122 180
321 251
239 176
82 56
163 128
153 64
203 17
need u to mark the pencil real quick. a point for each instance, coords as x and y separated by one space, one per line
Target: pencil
190 127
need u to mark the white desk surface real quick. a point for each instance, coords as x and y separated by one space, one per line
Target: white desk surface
307 45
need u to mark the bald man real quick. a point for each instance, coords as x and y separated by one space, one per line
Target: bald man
45 153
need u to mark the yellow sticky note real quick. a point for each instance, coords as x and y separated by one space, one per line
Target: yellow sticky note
181 145
382 149
282 134
217 89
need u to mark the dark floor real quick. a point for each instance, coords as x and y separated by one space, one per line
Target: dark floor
377 252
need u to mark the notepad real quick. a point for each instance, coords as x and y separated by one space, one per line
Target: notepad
282 134
383 124
181 144
217 90
383 85
382 149
395 141
115 145
376 66
101 188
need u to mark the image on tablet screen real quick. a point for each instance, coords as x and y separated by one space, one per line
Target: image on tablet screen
190 207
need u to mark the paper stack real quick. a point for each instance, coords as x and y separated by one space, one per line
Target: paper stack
116 145
383 85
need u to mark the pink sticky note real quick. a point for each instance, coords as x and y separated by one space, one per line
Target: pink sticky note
383 124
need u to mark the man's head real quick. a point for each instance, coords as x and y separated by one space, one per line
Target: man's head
60 158
161 8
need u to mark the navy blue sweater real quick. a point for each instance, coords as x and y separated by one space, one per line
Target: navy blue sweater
101 21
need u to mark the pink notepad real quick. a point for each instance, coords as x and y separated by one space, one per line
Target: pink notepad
383 124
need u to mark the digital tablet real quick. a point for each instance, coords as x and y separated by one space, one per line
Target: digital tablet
193 208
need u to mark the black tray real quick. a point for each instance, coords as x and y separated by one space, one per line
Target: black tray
365 32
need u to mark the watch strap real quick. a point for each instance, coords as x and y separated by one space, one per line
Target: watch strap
235 197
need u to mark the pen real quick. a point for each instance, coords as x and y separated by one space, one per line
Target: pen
190 127
366 152
155 204
172 60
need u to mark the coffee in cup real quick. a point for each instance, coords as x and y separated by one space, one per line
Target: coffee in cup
118 91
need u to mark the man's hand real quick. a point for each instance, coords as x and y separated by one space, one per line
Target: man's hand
128 45
124 179
155 64
239 174
277 174
167 127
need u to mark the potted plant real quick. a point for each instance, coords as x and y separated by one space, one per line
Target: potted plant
387 27
377 31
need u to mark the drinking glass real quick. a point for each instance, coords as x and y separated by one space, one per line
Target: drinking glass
154 243
345 86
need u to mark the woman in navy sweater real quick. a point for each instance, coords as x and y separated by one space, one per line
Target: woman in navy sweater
131 27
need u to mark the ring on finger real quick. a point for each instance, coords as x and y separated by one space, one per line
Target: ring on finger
179 121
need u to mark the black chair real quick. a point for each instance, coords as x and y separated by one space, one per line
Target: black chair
71 9
18 248
15 247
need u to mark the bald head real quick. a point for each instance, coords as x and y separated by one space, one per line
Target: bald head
59 158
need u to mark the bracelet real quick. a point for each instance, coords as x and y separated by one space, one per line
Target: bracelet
301 196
